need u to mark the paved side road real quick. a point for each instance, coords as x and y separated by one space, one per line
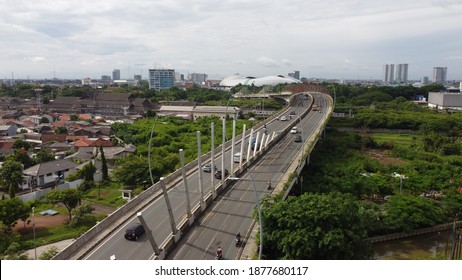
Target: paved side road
60 245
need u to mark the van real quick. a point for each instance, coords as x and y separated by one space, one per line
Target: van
237 157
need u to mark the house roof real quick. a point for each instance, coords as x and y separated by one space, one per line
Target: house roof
92 142
50 167
53 137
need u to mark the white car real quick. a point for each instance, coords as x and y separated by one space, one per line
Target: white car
294 130
283 118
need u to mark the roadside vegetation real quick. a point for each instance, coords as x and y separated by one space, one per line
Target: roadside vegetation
352 188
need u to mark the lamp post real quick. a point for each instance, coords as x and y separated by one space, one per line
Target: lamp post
33 232
401 177
335 96
257 201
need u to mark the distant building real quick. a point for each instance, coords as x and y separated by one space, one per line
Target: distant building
198 78
388 73
401 73
137 77
116 74
424 80
86 81
445 100
106 78
160 79
439 74
295 75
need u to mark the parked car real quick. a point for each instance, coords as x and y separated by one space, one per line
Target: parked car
208 167
134 231
218 173
283 118
294 130
297 138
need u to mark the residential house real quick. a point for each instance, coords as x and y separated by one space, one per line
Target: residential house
8 130
110 153
92 142
45 174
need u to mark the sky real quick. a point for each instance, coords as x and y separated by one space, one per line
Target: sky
333 39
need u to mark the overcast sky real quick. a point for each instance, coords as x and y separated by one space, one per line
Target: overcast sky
343 39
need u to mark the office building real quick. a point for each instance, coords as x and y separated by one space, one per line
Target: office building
106 78
295 75
388 73
439 74
424 80
401 73
137 77
160 79
116 74
198 78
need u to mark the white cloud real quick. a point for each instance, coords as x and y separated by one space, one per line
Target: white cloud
35 59
267 62
91 37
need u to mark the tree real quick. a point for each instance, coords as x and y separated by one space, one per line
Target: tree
44 120
407 212
87 172
12 210
133 172
11 176
74 118
317 226
44 156
104 168
20 144
80 215
61 130
70 198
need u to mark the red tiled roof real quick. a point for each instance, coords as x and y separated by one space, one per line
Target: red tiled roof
85 116
53 137
65 118
6 145
93 143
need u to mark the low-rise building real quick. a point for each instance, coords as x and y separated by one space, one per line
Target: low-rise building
445 100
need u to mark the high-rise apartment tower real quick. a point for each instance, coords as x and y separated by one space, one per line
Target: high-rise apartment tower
388 73
116 74
401 73
440 74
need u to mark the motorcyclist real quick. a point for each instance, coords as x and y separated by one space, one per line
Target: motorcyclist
238 238
269 185
219 252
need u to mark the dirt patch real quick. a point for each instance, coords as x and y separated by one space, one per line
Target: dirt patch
41 222
384 157
48 221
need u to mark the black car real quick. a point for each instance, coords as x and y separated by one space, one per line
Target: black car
297 138
133 232
218 173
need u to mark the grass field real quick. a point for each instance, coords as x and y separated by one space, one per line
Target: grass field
397 138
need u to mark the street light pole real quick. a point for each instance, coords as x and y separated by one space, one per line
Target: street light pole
257 201
33 231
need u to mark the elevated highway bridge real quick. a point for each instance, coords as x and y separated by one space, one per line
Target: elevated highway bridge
199 212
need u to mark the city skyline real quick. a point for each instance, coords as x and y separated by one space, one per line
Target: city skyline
333 39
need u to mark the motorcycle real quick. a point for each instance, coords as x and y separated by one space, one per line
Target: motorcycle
218 255
237 241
